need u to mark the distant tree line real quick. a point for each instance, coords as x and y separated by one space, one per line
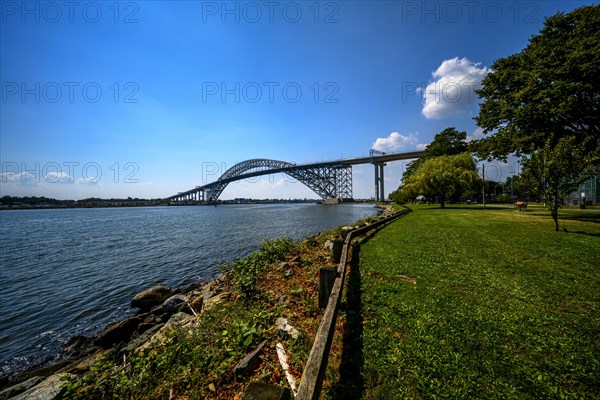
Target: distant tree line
41 202
33 201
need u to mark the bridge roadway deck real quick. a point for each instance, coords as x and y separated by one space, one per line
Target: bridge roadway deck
343 162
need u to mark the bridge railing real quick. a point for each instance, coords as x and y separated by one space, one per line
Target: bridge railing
314 370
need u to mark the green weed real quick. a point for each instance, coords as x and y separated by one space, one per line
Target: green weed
247 271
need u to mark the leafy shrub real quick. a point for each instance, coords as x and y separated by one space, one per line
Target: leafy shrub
275 250
247 271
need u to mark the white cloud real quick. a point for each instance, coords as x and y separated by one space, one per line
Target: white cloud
453 88
58 177
17 177
422 146
475 135
88 181
394 142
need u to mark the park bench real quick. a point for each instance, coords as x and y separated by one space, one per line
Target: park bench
521 205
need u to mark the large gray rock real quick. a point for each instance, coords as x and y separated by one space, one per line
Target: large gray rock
78 347
140 341
20 388
151 297
50 389
119 332
180 319
174 304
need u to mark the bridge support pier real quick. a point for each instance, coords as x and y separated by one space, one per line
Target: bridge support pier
379 178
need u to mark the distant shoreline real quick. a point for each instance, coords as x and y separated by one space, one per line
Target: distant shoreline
35 203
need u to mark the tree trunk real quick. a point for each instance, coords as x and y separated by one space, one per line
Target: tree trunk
443 201
554 212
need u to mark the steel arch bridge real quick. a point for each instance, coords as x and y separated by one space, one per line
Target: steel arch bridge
327 180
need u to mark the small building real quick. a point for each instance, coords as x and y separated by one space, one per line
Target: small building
589 191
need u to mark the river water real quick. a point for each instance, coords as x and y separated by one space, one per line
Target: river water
66 272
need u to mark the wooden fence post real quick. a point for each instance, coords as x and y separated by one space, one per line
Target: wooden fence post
338 245
327 277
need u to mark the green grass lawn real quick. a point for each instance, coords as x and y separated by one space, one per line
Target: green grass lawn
503 307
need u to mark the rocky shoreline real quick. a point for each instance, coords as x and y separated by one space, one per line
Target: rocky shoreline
160 309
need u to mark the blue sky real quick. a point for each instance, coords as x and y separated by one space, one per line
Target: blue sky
146 99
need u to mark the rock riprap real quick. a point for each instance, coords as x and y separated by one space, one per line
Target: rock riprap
151 297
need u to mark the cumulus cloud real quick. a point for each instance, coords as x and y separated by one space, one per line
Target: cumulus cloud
453 88
394 142
422 146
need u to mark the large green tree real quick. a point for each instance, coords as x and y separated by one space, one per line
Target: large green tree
544 104
442 177
448 142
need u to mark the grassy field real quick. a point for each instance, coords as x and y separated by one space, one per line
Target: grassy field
479 303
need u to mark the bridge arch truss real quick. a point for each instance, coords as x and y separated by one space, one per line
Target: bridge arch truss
326 180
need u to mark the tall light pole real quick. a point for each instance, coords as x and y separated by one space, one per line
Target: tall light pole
483 174
511 171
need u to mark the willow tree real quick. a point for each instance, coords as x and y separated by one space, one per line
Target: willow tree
442 177
544 104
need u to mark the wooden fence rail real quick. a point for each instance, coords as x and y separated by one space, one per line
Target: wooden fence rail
314 370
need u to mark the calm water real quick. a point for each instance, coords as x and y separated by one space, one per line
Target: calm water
73 271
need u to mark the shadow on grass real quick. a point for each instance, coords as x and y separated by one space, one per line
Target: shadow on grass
467 207
581 216
351 384
583 233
